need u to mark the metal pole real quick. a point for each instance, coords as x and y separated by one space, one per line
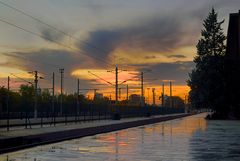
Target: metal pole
8 103
36 93
171 99
94 93
61 96
142 94
148 96
153 92
127 92
116 85
163 101
53 95
78 83
119 91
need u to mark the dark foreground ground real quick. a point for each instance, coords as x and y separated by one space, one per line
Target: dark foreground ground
187 138
21 139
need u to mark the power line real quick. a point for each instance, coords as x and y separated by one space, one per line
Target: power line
56 42
61 31
61 71
52 27
21 79
100 78
9 54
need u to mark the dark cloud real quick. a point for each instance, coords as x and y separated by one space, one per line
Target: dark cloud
51 35
156 31
100 43
156 34
177 71
159 31
47 61
44 59
176 56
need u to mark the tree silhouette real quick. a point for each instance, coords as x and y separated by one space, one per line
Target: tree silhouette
207 79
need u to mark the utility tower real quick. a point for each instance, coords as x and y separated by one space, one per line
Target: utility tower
53 95
53 90
61 71
163 101
36 92
142 92
171 99
148 96
95 93
119 93
8 91
116 85
127 93
78 96
153 93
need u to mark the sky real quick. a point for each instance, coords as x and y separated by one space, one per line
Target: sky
155 36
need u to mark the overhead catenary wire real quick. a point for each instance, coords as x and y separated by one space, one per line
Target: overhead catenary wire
32 61
22 79
54 28
61 31
58 30
54 41
100 78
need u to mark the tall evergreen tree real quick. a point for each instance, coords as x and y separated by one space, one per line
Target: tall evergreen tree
207 79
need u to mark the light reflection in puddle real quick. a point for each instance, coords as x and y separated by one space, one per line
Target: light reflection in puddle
181 139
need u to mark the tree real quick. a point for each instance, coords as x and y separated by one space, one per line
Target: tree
14 100
27 97
207 79
45 101
175 102
3 97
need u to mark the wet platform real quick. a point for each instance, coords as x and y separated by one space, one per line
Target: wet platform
24 138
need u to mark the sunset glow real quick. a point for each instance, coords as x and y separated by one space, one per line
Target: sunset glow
136 39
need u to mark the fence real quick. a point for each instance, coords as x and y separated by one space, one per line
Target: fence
78 114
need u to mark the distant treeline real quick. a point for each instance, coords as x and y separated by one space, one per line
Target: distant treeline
24 100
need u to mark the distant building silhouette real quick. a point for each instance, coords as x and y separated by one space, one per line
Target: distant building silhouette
134 99
233 40
98 96
232 65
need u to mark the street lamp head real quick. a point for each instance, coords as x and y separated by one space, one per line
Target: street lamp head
61 70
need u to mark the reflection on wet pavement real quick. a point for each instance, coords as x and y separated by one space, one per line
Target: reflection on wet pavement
190 138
